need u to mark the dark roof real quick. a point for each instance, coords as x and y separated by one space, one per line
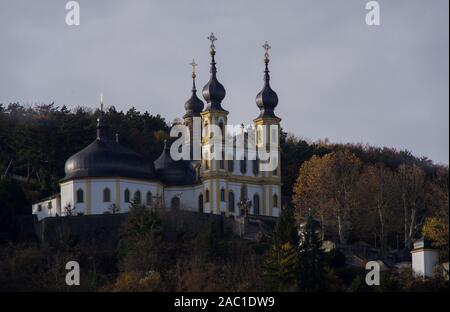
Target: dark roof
194 105
267 99
106 158
171 172
213 91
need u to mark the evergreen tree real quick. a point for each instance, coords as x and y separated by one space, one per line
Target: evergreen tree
311 260
281 267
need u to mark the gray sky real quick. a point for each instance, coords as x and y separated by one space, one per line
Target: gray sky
335 76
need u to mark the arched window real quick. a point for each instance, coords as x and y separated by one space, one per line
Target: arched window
256 204
231 165
80 196
230 201
137 197
175 203
244 165
200 203
149 198
127 196
256 166
222 195
106 195
275 200
207 195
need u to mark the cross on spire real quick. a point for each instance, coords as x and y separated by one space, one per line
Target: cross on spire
212 38
266 47
193 64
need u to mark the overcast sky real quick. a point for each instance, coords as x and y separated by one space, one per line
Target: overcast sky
335 76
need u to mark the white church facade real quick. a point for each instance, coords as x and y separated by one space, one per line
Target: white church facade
106 177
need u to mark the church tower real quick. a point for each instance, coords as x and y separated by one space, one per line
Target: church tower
193 108
267 100
214 114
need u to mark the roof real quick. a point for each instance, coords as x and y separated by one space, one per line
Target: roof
106 158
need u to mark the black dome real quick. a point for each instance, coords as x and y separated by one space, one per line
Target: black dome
213 91
267 99
194 105
171 172
106 158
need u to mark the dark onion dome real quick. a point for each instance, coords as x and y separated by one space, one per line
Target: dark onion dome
194 105
267 99
174 172
213 91
107 158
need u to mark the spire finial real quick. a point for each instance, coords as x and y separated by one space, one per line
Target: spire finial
212 38
101 102
266 47
193 64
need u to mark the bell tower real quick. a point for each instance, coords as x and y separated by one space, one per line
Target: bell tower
214 117
268 131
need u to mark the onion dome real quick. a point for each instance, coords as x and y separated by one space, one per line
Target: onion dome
267 99
174 172
105 157
213 91
194 105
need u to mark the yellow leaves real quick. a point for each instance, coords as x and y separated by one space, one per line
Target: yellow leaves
436 229
133 281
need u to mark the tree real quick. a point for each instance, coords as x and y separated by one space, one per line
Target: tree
326 189
377 192
311 259
436 229
139 241
281 267
412 192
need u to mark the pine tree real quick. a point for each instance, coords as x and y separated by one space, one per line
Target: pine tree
281 267
311 264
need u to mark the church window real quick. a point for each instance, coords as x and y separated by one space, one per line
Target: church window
255 167
275 200
244 166
149 198
230 201
106 195
80 196
127 196
222 195
231 165
274 172
39 208
207 195
256 204
200 203
137 197
50 205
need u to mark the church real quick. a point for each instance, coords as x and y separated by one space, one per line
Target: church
106 177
